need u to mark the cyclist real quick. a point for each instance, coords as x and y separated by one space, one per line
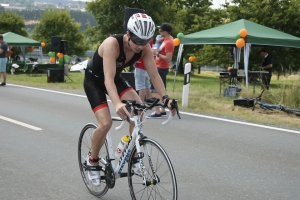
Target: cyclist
103 76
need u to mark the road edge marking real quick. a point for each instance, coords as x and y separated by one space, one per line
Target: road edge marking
20 123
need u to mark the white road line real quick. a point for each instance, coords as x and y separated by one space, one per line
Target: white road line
45 90
20 123
185 113
239 122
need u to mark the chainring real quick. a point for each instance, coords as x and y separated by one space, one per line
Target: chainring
110 176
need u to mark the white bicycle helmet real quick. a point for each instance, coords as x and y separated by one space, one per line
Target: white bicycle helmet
142 27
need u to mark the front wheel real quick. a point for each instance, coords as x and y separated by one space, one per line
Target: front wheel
84 151
160 180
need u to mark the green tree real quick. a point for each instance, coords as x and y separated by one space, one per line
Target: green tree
2 9
12 22
59 23
198 17
281 15
109 14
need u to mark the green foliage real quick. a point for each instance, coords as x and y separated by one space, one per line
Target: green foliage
200 17
34 15
59 23
1 9
281 15
92 35
12 22
186 16
220 56
110 14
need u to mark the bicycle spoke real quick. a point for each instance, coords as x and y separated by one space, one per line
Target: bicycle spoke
160 176
84 149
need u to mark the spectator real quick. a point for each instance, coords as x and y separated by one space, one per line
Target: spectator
3 59
163 58
142 79
266 65
158 40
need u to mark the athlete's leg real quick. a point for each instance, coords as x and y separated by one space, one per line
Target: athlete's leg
104 124
96 95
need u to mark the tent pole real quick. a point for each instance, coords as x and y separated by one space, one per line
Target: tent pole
23 52
246 61
236 66
41 53
177 63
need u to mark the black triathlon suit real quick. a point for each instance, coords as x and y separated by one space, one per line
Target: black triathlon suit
93 84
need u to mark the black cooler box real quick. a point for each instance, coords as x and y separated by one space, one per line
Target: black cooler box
55 75
245 102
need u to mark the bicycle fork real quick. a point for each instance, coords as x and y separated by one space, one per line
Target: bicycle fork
141 155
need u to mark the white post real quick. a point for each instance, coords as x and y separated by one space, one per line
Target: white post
186 84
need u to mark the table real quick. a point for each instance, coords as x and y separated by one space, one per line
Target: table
21 65
41 66
255 77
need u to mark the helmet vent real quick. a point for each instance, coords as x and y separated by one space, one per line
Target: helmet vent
150 28
141 27
136 25
145 29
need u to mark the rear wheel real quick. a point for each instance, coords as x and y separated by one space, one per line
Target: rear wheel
160 180
294 111
84 151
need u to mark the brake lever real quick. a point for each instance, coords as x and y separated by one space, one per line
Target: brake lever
128 107
174 104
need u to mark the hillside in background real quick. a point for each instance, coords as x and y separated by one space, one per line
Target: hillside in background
32 17
23 2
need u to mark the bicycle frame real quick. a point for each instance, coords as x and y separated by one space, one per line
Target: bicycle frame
134 140
265 105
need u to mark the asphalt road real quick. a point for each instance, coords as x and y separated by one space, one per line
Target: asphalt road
213 158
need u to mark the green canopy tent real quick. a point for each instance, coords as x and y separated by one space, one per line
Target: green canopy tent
258 35
13 39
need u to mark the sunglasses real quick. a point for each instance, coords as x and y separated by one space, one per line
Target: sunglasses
138 41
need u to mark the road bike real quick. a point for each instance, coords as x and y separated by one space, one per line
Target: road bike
157 179
267 106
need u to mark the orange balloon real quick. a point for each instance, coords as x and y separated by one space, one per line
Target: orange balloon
43 44
9 53
176 41
240 43
191 59
243 33
194 58
60 55
52 60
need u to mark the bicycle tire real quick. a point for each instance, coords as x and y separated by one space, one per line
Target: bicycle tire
166 188
84 151
294 111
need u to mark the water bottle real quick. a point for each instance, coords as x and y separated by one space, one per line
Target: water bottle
122 145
